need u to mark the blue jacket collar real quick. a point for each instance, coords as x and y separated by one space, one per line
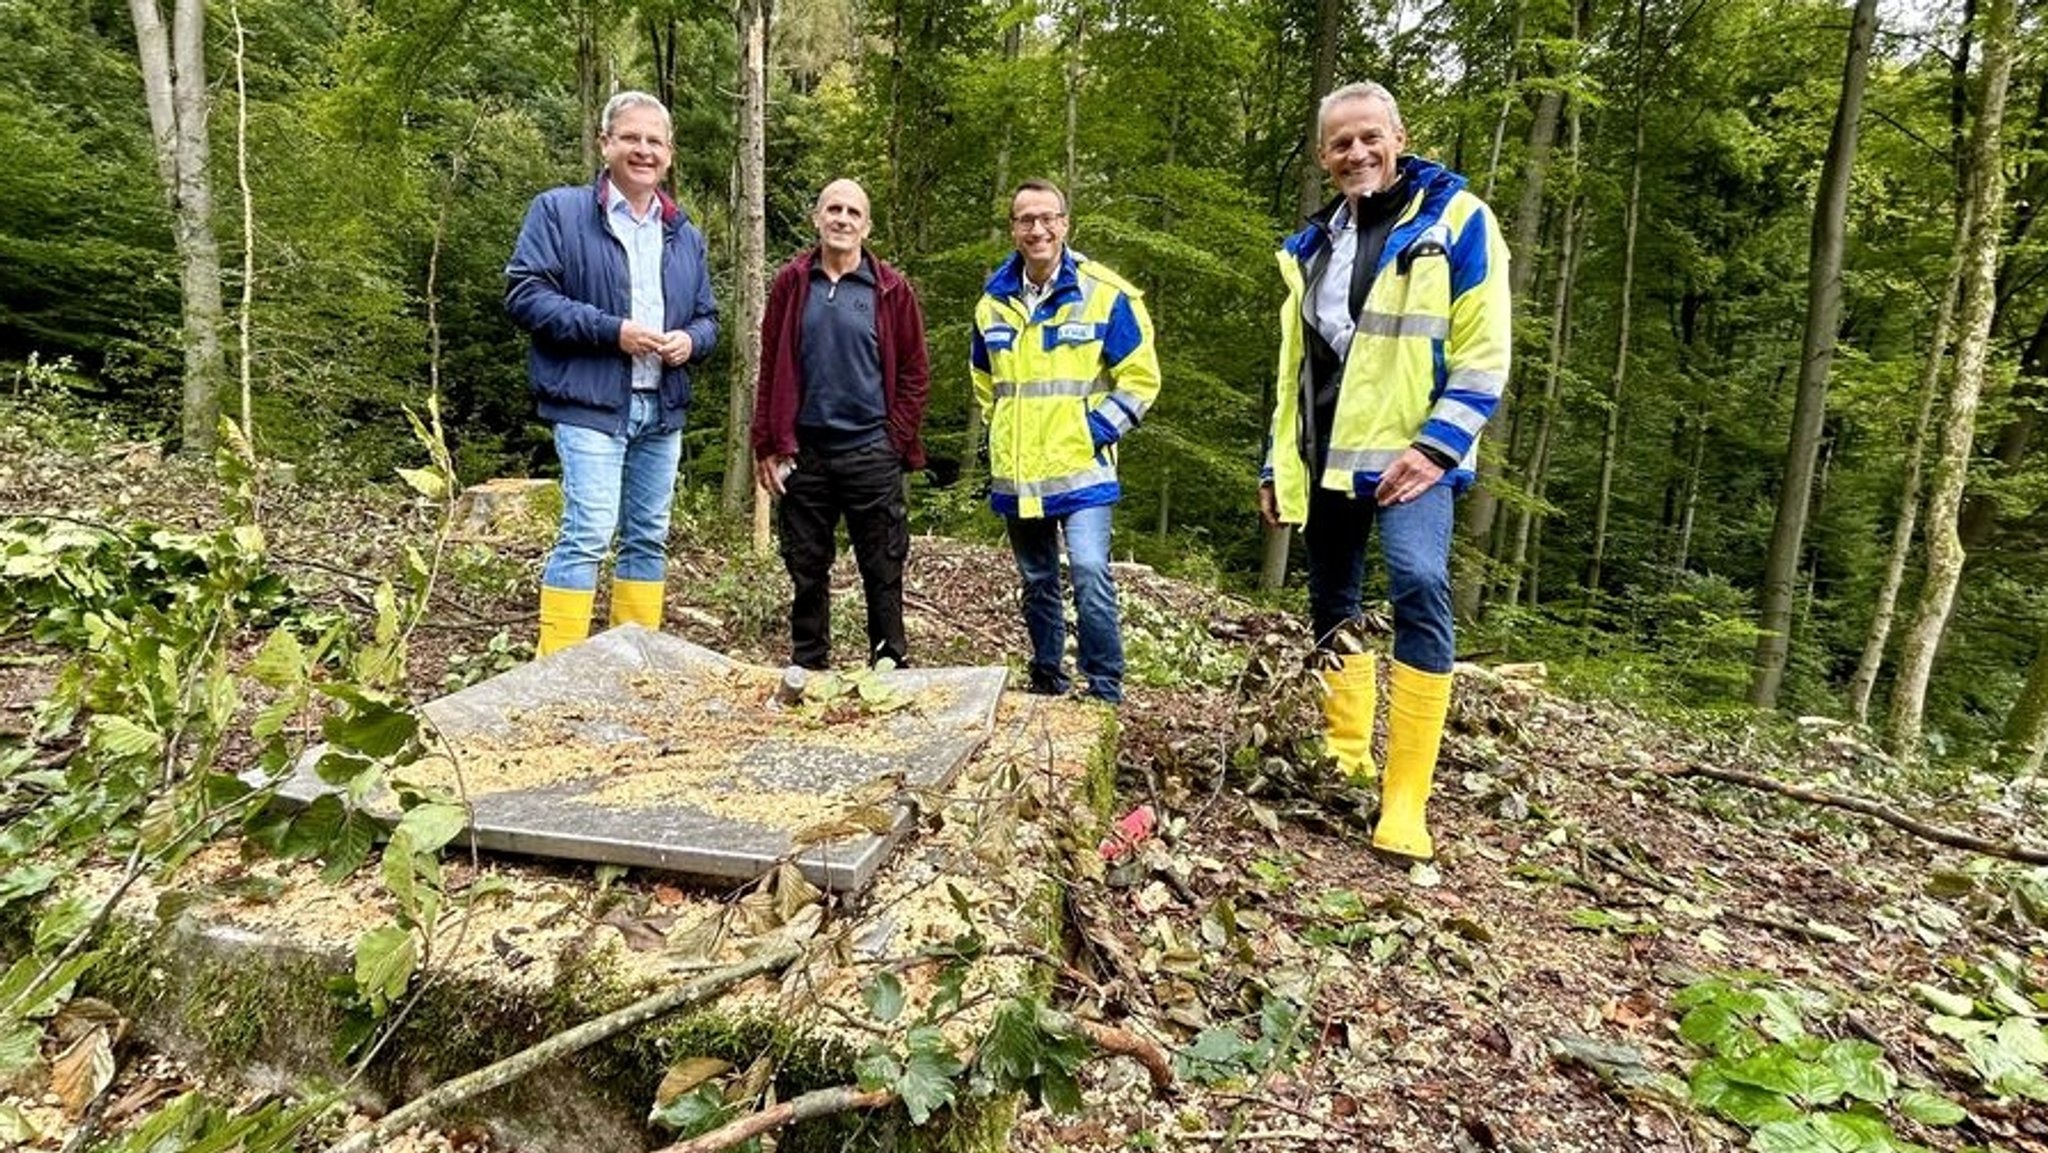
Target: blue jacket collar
671 212
1008 278
1428 181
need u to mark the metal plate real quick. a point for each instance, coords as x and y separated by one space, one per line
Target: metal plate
590 689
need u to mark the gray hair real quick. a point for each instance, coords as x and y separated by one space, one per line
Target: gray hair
1357 90
630 98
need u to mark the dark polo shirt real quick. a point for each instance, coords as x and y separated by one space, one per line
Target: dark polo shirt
843 406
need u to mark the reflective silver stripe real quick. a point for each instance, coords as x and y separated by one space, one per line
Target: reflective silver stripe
1350 460
1404 324
1130 403
1459 415
1476 380
1039 489
1029 389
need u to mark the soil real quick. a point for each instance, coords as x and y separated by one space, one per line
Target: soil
1580 883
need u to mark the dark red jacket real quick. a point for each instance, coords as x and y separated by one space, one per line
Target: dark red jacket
899 333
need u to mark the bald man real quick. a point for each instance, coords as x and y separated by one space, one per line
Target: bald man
836 417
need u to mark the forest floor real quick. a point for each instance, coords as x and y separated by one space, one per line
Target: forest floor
1525 991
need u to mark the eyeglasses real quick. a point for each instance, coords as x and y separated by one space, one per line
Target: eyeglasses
1037 220
635 140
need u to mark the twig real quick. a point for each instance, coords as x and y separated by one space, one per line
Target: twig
1260 1135
1619 862
809 1107
562 1044
1954 838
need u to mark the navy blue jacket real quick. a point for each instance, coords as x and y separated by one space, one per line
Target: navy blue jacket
568 286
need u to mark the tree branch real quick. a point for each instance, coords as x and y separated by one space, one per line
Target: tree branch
1955 838
1116 1042
809 1107
581 1037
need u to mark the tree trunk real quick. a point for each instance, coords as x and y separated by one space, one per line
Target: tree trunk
1809 408
1075 73
173 69
1689 499
2026 728
1865 681
2029 392
751 243
589 101
1553 387
1482 505
1951 467
1507 105
1610 437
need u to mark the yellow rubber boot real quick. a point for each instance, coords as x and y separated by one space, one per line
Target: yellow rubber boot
637 603
564 618
1417 703
1349 695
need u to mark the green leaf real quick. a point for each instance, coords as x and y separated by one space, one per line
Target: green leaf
1854 1133
1944 1002
62 921
120 736
699 1111
26 881
281 662
877 1069
927 1082
1746 1105
373 728
2023 1039
1861 1068
20 1047
385 959
1781 1071
431 826
21 995
1010 1052
1788 1137
884 997
1215 1055
1929 1108
350 846
427 482
1715 1027
1780 1019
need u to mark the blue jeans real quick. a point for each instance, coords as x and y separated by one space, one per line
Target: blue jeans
1415 542
615 486
1036 543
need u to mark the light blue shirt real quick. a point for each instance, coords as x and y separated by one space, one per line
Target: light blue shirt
642 238
1329 309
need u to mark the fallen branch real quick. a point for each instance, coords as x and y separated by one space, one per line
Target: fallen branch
562 1044
809 1107
1116 1042
1955 838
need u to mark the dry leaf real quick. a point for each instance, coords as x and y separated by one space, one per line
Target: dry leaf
83 1071
686 1075
642 934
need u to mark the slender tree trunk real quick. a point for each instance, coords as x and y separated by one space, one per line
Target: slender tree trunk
1482 503
750 226
173 67
1610 437
1553 388
2009 451
1823 318
1879 638
1076 71
589 100
1507 106
1689 500
243 366
2026 728
1951 468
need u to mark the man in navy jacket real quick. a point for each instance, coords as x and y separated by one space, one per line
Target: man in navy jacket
609 279
837 412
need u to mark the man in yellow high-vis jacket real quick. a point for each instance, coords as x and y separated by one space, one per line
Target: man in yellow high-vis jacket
1394 344
1063 364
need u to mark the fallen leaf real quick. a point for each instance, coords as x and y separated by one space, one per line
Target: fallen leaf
642 934
83 1071
686 1075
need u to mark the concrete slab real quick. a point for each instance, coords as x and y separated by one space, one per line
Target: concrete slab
639 748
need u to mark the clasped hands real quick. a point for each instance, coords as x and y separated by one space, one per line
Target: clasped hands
1411 475
673 347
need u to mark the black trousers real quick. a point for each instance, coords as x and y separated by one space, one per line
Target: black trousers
864 485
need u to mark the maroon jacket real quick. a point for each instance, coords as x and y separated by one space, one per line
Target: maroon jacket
899 331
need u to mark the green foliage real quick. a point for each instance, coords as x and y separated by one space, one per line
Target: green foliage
1793 1090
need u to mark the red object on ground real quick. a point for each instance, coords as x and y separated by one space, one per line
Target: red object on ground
1129 829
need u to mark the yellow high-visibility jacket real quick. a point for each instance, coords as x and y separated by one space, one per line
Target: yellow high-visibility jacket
1428 361
1060 385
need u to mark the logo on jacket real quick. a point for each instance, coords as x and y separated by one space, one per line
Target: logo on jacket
999 338
1073 333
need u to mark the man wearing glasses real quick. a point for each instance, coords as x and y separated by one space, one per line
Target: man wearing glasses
1063 364
609 279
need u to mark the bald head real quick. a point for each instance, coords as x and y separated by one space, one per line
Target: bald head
842 221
